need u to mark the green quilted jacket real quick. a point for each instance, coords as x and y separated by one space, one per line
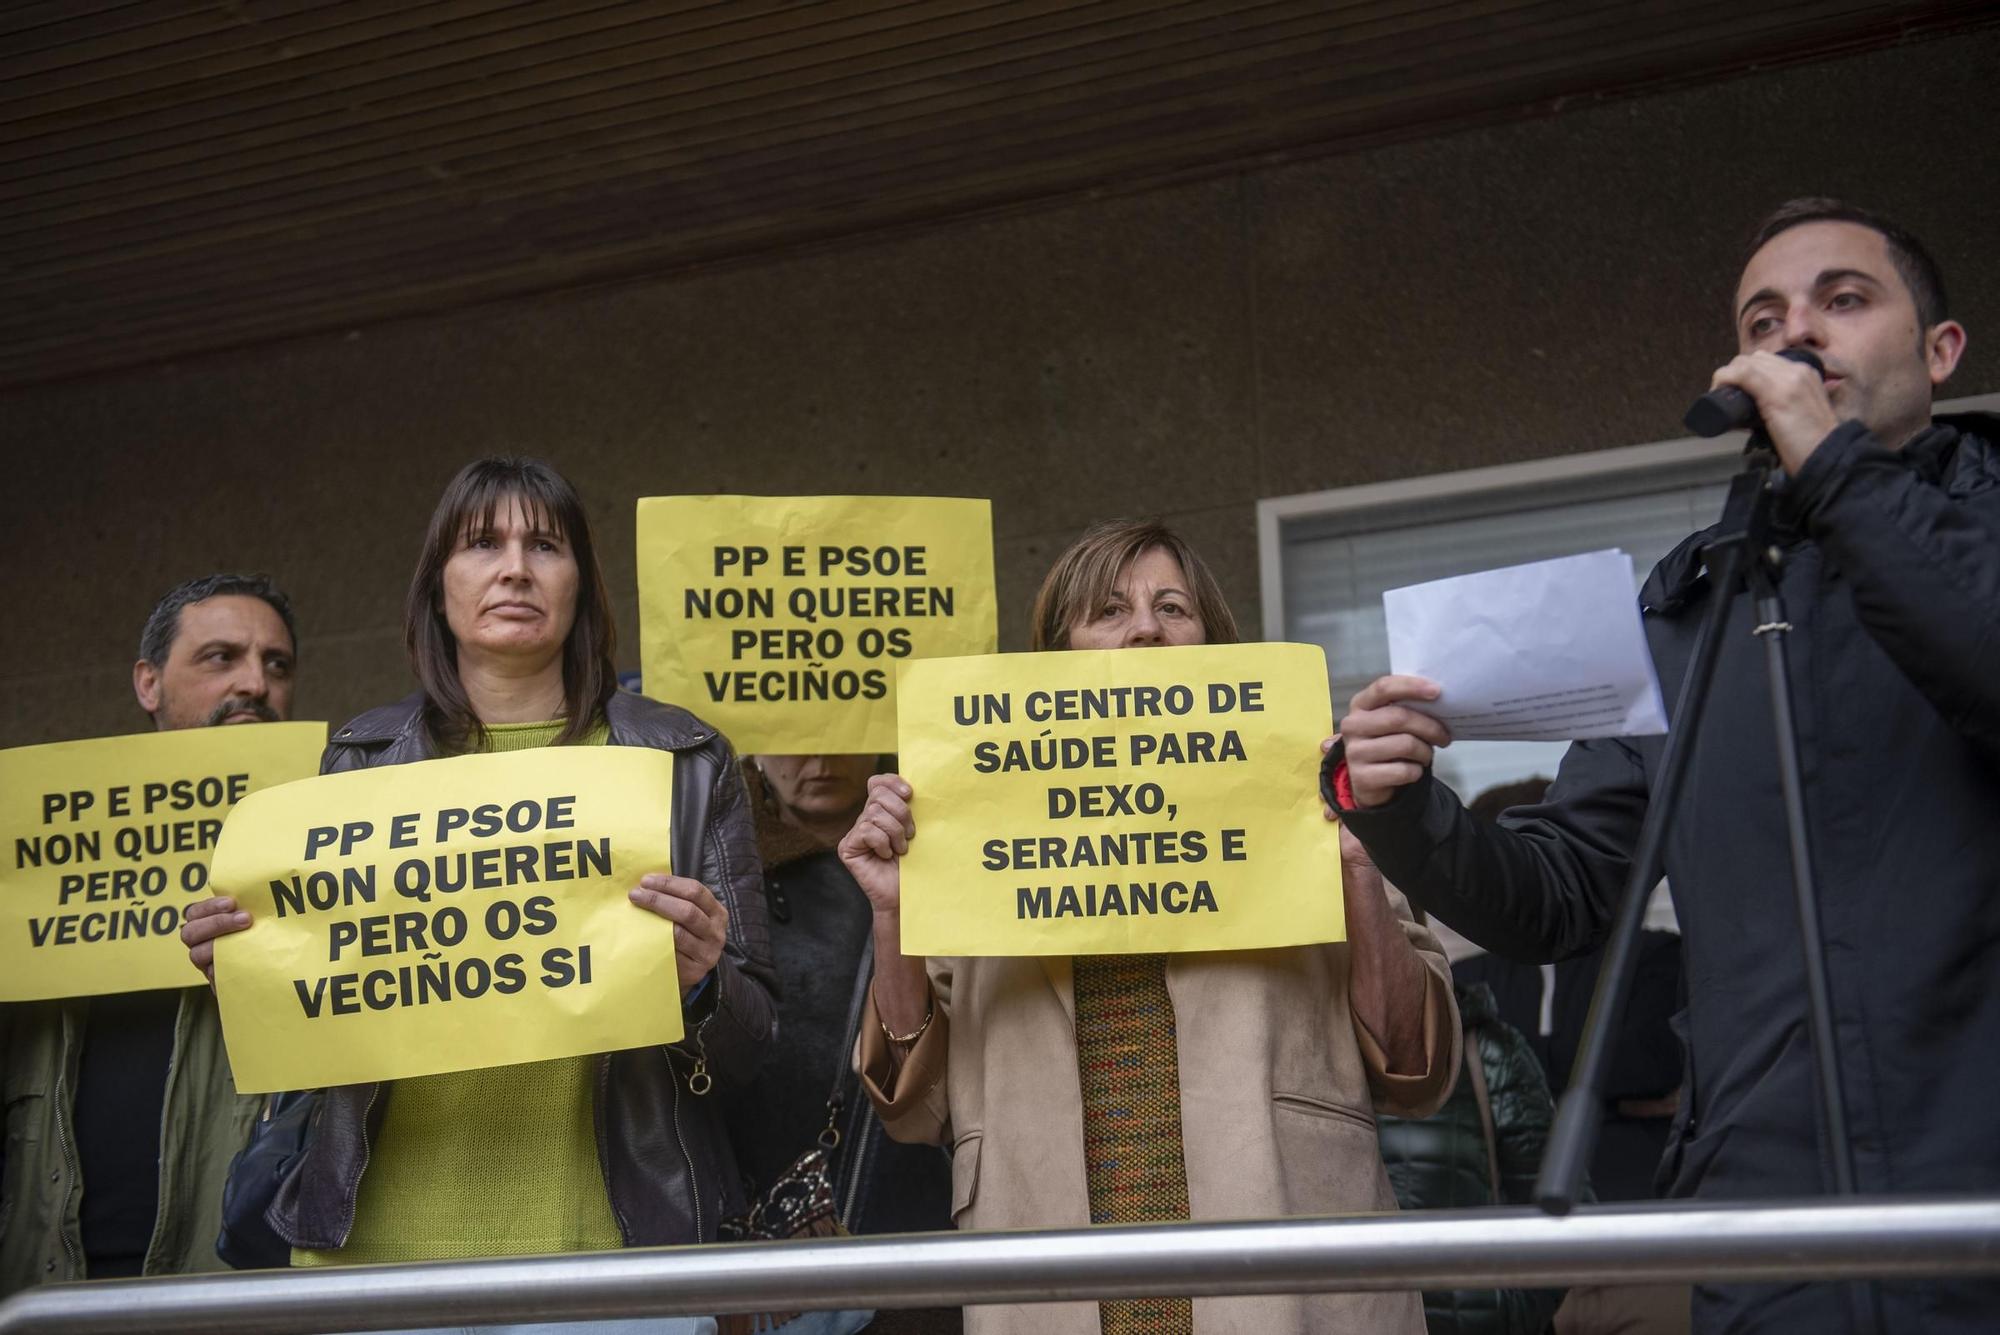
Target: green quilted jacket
1441 1163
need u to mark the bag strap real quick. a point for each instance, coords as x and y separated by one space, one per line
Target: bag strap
863 975
1476 1070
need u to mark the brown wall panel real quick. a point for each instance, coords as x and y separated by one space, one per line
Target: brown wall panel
1495 295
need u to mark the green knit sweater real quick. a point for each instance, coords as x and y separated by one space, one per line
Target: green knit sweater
496 1162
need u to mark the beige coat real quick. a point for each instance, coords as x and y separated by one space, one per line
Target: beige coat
1279 1085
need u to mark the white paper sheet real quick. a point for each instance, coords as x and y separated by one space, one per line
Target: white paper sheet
1545 652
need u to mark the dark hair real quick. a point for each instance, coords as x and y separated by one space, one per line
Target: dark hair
1920 273
470 503
163 627
1521 793
1084 575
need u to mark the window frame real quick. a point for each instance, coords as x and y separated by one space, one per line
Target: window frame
1437 497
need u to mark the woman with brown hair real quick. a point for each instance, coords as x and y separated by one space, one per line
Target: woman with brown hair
510 632
1134 1088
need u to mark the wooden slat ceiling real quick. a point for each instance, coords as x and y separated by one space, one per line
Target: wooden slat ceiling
179 177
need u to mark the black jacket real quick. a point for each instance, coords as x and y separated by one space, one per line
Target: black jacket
1647 1061
820 926
1892 584
664 1150
1441 1162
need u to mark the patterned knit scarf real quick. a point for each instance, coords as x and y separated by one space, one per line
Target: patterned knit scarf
1130 1072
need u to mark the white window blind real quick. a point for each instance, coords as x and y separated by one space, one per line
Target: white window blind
1328 557
1333 595
1337 567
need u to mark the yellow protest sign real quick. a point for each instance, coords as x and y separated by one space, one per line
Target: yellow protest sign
780 619
108 842
1118 801
447 915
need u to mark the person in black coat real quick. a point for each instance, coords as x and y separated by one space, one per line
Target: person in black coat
1482 1148
1549 1004
1889 527
808 1094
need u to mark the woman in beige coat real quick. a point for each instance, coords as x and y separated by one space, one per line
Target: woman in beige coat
1123 1089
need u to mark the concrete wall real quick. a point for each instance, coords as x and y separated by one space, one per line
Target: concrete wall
1541 288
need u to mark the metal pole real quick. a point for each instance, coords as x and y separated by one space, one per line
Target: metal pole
1836 1150
1898 1237
1573 1138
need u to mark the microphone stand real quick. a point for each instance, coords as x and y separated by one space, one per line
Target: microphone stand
1741 558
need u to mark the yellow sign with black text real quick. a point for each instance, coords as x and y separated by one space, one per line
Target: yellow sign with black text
447 915
1117 801
108 842
781 619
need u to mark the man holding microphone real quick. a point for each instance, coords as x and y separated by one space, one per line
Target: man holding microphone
1890 526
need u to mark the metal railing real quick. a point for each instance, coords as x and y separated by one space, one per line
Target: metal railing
1906 1238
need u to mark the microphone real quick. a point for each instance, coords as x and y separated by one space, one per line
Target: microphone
1725 408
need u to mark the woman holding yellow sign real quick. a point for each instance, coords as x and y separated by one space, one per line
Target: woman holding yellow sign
1136 1088
510 632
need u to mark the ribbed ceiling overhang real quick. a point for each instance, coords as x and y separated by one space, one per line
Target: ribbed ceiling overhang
178 178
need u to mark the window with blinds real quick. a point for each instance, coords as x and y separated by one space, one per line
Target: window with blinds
1329 556
1337 563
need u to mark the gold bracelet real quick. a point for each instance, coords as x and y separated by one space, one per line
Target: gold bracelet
904 1040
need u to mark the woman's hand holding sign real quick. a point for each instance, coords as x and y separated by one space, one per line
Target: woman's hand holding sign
872 852
206 920
880 837
701 924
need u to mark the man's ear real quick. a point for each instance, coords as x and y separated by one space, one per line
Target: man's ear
1944 344
146 685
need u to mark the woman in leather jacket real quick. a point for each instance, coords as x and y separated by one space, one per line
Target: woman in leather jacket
510 632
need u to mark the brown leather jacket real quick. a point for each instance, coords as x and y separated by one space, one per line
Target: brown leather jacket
665 1153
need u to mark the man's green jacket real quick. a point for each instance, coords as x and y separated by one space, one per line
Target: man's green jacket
41 1183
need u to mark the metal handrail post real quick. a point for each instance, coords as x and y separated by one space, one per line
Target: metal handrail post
1748 1242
